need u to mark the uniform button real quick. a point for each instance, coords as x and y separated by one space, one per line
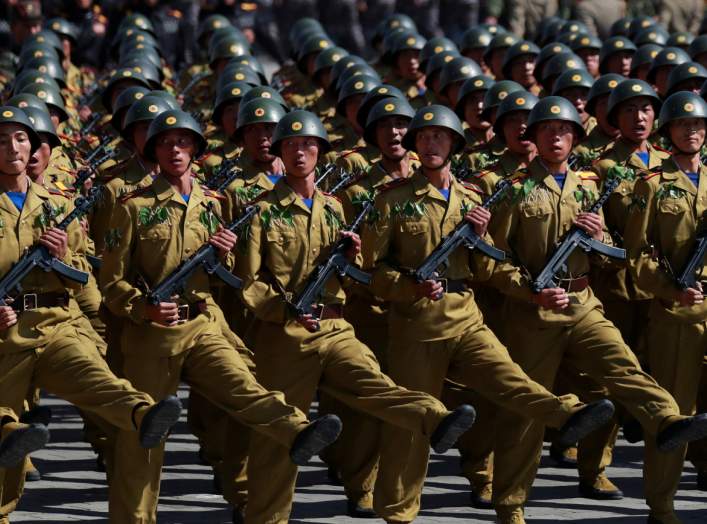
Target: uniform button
564 201
187 250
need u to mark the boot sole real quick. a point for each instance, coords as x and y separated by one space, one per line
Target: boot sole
695 431
592 418
159 421
20 443
461 424
324 432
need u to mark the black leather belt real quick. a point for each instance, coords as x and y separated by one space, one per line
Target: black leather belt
190 311
327 311
453 286
30 301
574 285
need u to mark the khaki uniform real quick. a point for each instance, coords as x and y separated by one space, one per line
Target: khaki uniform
436 340
525 15
666 213
46 349
417 95
286 242
579 337
156 230
480 155
593 146
298 90
220 147
358 159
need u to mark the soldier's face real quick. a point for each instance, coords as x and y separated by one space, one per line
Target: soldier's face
300 155
15 147
578 97
641 72
174 151
66 46
434 146
619 63
39 160
408 64
496 61
229 117
687 134
554 140
693 85
601 111
635 119
55 116
473 106
522 70
661 79
515 125
139 136
452 92
477 55
389 136
351 106
257 139
591 59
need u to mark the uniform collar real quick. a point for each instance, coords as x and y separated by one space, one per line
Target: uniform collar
36 196
624 151
673 173
508 162
286 197
164 191
421 186
253 173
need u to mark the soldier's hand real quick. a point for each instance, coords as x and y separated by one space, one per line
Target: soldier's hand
224 240
84 113
479 217
552 298
56 241
592 223
431 289
309 323
355 248
691 296
165 313
8 317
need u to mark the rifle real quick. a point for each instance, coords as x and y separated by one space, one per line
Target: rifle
88 171
577 238
227 181
688 276
39 256
327 170
336 263
206 257
462 235
348 177
221 173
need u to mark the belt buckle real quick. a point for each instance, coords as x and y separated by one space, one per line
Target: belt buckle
29 301
183 312
318 312
445 284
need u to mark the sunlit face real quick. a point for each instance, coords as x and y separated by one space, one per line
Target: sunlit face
555 140
514 126
407 64
389 136
434 146
39 160
619 63
175 150
578 97
15 149
635 119
591 59
300 155
473 107
522 69
687 134
257 139
229 117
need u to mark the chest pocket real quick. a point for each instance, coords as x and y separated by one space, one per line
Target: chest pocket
673 206
159 232
413 238
536 210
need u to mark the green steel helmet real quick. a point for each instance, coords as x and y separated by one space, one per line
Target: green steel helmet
168 97
435 116
210 24
567 38
50 96
299 123
652 35
37 50
502 41
497 93
638 24
122 74
620 27
645 55
132 47
138 21
227 48
518 101
689 71
32 76
265 93
407 41
437 62
313 44
238 73
227 33
132 37
546 53
125 99
612 46
551 30
327 58
473 85
385 108
63 28
144 110
229 93
46 36
146 69
626 90
680 39
458 69
258 111
574 26
395 21
573 78
147 54
171 120
435 46
15 115
683 104
558 64
475 38
603 86
357 85
520 48
668 57
554 108
585 41
43 125
698 46
342 65
253 63
25 100
352 71
379 92
302 26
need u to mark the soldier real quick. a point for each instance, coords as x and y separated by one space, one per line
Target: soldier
598 15
525 15
406 74
698 50
150 229
297 353
574 85
495 53
681 15
643 60
667 60
587 48
470 107
519 65
689 76
473 44
615 56
664 219
571 329
453 74
556 66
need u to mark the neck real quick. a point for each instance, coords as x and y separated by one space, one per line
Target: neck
274 166
16 184
303 187
637 147
525 158
688 162
484 134
441 177
181 183
397 168
554 167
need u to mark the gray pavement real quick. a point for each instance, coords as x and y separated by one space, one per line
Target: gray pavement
72 491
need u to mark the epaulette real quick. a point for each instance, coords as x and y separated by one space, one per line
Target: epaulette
175 13
57 192
472 187
519 175
135 193
332 196
260 197
213 194
345 154
355 180
652 173
414 156
395 183
63 188
486 171
658 148
478 147
588 175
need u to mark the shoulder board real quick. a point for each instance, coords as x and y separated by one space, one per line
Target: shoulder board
331 196
355 180
472 187
413 156
175 13
260 197
62 187
349 152
395 183
135 193
57 192
658 148
478 147
588 175
654 172
486 171
212 194
519 176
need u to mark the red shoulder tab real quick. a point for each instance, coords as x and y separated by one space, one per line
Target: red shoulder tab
213 194
473 187
656 171
331 195
350 152
658 148
395 183
588 175
57 192
355 180
135 193
482 173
